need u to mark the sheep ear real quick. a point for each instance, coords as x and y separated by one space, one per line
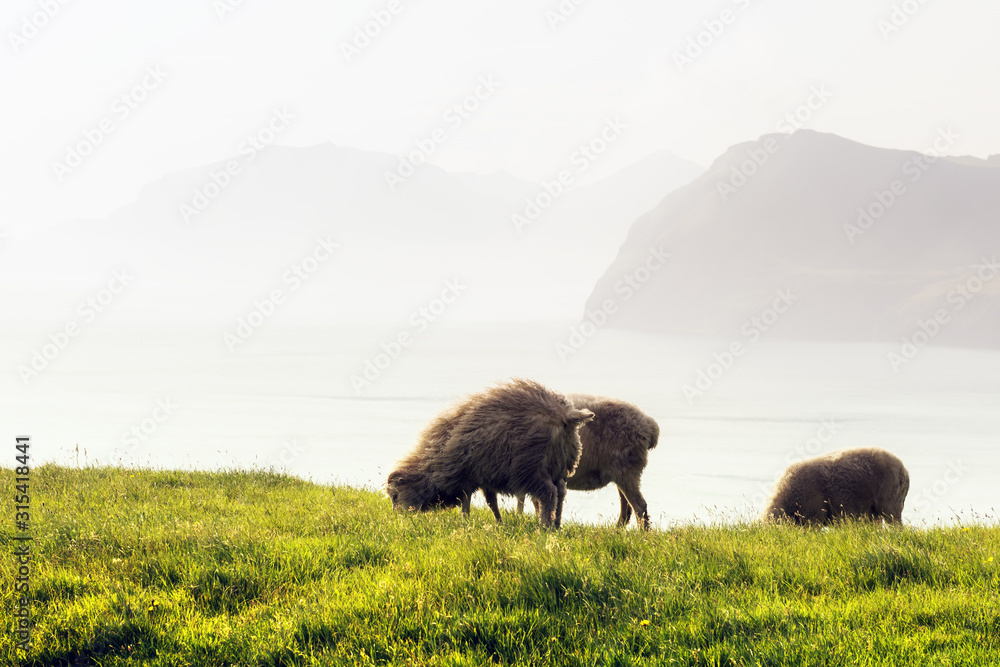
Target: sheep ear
582 416
396 477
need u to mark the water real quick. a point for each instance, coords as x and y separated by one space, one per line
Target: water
285 398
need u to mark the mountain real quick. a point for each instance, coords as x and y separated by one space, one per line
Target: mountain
827 238
205 243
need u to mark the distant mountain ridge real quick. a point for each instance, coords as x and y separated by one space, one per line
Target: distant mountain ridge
876 245
205 242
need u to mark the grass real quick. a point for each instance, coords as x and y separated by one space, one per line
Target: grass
255 568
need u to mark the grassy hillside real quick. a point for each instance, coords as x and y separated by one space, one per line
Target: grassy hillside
177 568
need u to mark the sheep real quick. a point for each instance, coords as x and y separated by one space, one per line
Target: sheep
862 483
614 449
516 437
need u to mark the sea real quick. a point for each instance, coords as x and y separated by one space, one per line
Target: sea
339 405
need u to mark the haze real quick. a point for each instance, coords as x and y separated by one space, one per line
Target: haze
558 84
247 233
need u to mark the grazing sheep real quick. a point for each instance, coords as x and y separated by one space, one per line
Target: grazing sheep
862 483
614 448
516 437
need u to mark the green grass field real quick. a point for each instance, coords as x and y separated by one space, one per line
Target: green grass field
236 568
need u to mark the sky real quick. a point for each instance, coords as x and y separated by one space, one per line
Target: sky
689 78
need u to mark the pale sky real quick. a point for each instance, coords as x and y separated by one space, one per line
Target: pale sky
556 85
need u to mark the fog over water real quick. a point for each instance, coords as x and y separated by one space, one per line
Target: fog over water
159 399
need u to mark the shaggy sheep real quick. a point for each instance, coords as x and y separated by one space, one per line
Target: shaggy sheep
516 437
862 483
614 448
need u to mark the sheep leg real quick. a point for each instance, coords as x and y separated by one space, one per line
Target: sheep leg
466 502
547 500
626 514
560 497
520 503
638 503
491 500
